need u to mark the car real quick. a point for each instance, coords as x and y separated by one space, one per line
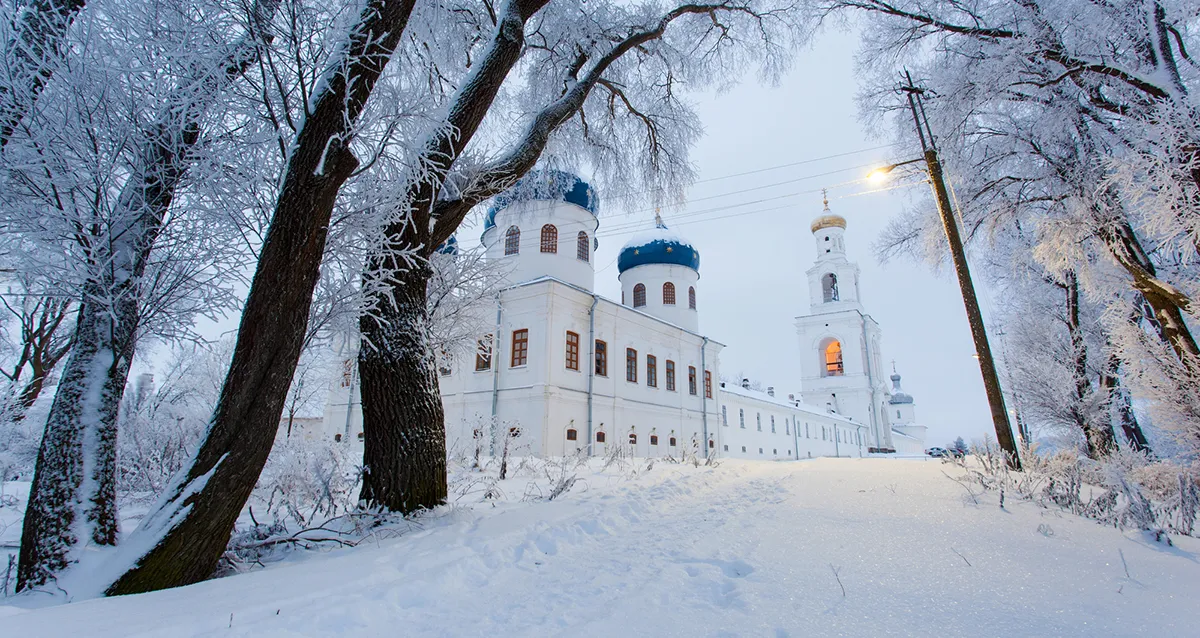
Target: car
937 452
957 452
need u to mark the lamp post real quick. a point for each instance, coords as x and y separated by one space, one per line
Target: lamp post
958 256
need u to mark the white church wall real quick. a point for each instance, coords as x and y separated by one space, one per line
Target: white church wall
800 432
653 277
530 263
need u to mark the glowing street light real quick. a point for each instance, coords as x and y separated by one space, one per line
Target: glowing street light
881 174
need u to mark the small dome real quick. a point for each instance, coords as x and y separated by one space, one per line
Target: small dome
448 247
544 185
898 396
658 246
828 221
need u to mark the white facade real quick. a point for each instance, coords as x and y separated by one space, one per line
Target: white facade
570 371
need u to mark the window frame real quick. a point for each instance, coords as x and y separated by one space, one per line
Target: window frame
573 351
692 381
512 241
708 390
651 371
600 357
631 365
691 297
549 239
670 367
639 295
483 353
583 247
521 352
572 434
668 294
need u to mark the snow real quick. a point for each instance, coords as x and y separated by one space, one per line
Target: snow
748 547
658 233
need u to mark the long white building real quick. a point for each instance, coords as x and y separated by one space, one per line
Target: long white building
567 370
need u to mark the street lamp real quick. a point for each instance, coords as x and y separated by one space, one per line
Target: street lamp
958 255
881 174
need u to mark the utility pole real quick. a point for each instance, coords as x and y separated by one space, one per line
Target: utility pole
958 256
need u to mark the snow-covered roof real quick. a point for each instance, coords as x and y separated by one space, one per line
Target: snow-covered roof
899 397
545 185
659 245
784 403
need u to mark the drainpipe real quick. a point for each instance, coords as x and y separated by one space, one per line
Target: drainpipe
837 452
591 368
495 373
704 396
795 437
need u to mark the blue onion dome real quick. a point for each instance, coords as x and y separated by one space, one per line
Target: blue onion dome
448 247
658 246
545 185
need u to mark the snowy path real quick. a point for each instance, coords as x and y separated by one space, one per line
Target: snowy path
743 549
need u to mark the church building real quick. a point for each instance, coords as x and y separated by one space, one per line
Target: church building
565 370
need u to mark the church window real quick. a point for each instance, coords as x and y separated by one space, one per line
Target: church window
726 447
711 444
758 417
631 365
337 438
583 247
639 296
774 451
833 359
520 347
632 438
670 375
692 297
600 437
601 358
483 353
897 414
829 287
549 239
572 351
361 436
743 448
572 434
708 384
512 241
772 424
671 441
653 439
668 294
806 435
742 419
652 371
444 363
725 415
692 380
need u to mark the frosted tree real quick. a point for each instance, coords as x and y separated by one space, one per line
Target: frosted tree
1073 123
601 75
40 337
33 35
89 191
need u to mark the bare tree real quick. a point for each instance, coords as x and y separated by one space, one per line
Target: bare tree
33 42
44 340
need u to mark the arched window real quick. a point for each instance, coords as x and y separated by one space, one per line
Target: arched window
639 296
512 240
653 439
672 441
632 438
549 239
583 248
829 287
572 434
833 359
692 297
668 294
600 437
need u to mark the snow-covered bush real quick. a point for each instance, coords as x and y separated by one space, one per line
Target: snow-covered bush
1127 489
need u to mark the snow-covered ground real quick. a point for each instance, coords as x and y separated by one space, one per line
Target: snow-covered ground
746 548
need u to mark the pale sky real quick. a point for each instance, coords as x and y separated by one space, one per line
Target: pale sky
752 270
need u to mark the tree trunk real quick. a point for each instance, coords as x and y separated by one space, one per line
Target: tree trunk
74 483
1098 437
188 532
1119 400
404 438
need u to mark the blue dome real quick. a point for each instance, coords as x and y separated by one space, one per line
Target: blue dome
658 246
544 184
448 247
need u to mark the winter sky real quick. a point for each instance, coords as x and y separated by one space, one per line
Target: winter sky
753 266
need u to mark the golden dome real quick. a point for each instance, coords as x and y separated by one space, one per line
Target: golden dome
828 221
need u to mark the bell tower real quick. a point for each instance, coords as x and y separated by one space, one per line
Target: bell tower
840 344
